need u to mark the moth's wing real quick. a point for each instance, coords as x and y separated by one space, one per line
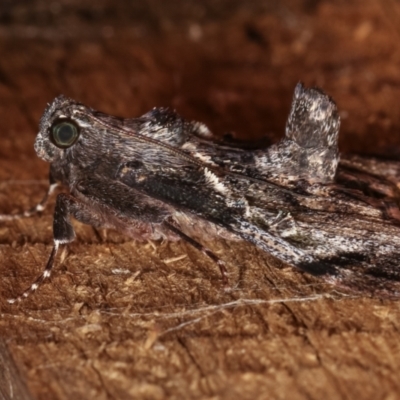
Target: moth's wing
218 197
309 149
199 192
203 195
364 249
360 254
189 187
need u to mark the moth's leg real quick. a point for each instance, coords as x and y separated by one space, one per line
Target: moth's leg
63 233
203 249
38 208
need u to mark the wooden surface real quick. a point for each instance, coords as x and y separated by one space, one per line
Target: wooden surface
12 387
127 320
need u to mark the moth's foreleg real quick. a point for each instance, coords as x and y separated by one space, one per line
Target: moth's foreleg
63 233
203 249
45 274
34 210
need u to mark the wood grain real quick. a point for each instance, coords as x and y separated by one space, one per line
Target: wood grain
12 387
127 320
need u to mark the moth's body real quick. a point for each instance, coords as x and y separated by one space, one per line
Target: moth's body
94 170
159 176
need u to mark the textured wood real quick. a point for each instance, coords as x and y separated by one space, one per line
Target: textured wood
12 387
122 319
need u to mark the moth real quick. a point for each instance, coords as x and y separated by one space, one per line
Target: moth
160 176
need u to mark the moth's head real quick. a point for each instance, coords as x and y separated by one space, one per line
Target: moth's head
59 129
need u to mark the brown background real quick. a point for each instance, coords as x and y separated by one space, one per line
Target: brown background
122 319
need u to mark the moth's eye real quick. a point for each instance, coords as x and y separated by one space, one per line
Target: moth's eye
64 133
